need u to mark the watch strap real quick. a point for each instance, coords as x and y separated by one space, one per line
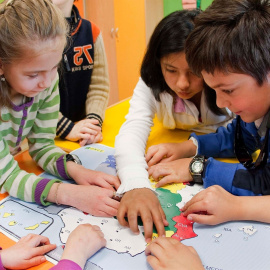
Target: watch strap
74 158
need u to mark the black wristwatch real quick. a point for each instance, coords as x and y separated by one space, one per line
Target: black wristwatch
196 168
73 158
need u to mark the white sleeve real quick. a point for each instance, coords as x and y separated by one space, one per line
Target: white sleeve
131 141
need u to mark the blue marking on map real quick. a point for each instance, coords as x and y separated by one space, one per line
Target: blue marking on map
110 160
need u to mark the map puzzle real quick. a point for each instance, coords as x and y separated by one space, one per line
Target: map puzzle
232 245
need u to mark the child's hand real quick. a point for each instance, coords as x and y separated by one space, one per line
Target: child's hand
176 171
168 253
166 152
84 176
189 4
82 243
94 200
27 252
142 202
86 130
211 206
92 139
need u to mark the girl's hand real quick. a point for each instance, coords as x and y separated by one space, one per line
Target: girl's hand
86 131
166 152
171 172
170 254
211 206
83 176
91 199
82 243
27 252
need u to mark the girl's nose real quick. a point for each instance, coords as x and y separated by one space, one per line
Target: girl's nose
183 82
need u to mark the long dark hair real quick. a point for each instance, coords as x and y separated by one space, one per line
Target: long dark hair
169 37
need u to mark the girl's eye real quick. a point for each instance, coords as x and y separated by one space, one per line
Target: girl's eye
33 75
227 91
171 70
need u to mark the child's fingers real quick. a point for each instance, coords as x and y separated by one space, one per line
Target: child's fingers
166 159
154 159
92 130
202 218
198 197
158 171
166 242
196 207
34 261
95 227
98 138
43 240
105 183
93 121
106 212
43 249
153 261
113 181
133 221
121 213
155 249
167 180
83 142
159 219
35 240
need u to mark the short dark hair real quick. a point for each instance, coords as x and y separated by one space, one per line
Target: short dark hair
168 37
232 36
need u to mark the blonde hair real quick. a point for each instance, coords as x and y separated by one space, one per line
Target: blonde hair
24 25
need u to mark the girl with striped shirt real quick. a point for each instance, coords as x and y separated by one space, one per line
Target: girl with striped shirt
33 36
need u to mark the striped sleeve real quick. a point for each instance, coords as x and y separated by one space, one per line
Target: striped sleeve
41 122
99 88
19 183
41 137
64 126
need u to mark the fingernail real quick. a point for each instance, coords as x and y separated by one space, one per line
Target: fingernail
43 259
148 240
189 218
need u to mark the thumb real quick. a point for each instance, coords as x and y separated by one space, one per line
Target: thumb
202 219
34 261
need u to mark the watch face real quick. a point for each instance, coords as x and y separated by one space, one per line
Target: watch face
197 167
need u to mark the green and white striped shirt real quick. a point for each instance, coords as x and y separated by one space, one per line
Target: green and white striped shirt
35 120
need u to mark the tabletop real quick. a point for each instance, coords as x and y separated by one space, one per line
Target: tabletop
114 118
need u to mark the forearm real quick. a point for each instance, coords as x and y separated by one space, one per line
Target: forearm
133 135
252 208
62 193
188 148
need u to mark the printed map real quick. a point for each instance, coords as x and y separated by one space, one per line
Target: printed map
234 245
